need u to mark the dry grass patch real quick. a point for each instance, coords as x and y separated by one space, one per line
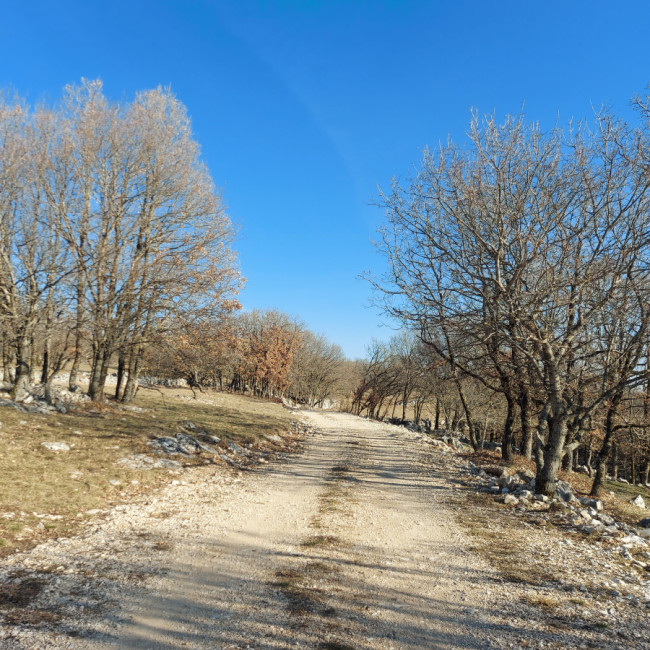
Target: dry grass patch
497 540
48 493
542 600
329 541
616 505
300 600
302 597
20 593
620 506
32 617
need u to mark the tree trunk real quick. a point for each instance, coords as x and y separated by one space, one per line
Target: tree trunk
98 376
526 427
614 461
552 453
46 361
507 442
455 419
468 416
603 455
8 375
121 366
20 389
131 387
437 425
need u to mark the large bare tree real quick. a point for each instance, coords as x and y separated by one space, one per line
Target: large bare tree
510 253
110 221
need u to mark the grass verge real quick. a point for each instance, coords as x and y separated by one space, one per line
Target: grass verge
48 493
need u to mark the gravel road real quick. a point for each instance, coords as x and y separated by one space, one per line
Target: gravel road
348 544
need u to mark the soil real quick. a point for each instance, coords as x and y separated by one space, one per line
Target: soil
351 543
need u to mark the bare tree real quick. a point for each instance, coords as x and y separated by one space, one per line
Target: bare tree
511 252
109 221
316 370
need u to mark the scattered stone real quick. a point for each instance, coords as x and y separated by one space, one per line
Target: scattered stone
645 523
596 504
507 482
606 519
564 495
234 447
181 443
56 446
142 461
589 530
638 501
511 499
526 475
495 470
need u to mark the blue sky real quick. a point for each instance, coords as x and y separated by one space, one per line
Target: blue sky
304 108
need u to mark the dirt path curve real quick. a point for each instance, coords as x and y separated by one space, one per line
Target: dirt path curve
347 545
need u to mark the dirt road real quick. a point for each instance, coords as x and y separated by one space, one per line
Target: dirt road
347 545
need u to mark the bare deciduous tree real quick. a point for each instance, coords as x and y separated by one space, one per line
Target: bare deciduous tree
512 252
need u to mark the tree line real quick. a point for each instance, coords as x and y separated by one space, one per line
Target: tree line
520 260
517 263
110 231
261 353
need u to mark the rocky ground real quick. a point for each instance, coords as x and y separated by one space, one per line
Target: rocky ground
371 536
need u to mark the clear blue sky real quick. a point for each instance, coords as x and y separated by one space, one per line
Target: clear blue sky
304 107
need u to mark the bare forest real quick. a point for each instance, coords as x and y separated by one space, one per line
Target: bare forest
110 232
520 262
517 268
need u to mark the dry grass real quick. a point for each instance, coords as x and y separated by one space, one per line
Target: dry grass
496 539
302 596
617 504
542 600
64 486
315 541
20 593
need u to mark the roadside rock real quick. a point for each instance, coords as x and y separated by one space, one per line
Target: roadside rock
56 446
181 443
526 475
495 470
596 504
142 461
638 501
